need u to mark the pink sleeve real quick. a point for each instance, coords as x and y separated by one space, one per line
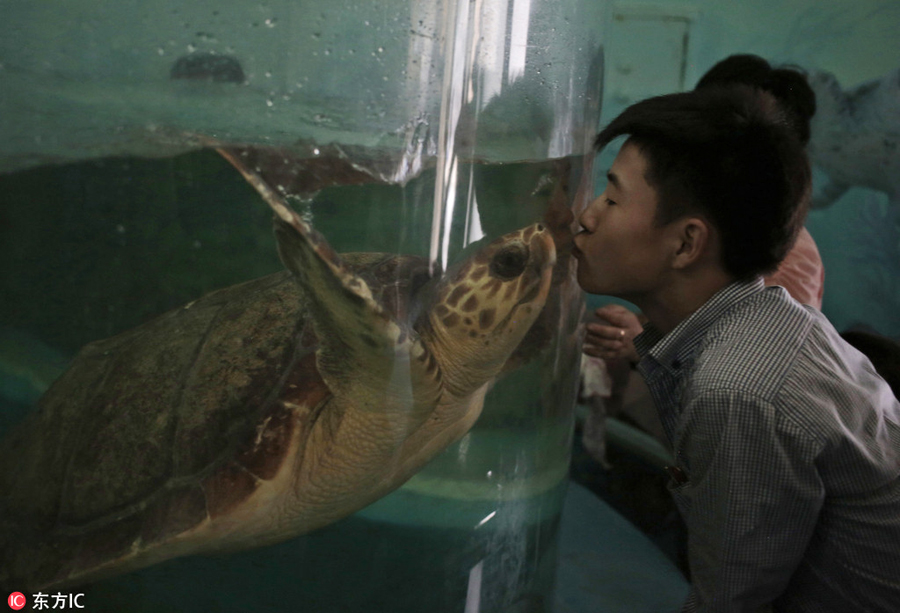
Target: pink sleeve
802 273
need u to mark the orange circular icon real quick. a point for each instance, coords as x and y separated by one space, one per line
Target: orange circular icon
16 601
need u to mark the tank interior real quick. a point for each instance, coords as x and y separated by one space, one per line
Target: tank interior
389 129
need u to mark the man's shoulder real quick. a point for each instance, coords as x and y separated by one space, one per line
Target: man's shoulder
754 345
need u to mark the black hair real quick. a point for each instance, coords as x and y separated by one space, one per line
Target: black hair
788 84
729 155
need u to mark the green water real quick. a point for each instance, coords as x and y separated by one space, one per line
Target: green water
475 530
403 563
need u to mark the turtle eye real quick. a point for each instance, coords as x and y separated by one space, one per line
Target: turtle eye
510 262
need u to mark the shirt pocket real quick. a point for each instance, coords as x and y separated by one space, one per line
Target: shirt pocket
679 486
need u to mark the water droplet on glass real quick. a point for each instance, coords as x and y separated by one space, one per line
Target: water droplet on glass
380 49
270 103
191 48
268 74
316 151
270 23
328 52
161 51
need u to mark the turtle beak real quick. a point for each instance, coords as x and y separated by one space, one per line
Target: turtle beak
542 242
543 258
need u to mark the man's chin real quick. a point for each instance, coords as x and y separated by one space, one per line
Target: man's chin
587 281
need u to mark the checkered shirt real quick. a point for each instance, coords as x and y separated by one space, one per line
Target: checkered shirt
787 451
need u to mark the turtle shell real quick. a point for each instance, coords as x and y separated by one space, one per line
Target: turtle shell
190 410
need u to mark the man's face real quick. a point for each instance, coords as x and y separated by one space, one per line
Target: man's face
620 250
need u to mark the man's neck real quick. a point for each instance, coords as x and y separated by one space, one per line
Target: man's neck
676 301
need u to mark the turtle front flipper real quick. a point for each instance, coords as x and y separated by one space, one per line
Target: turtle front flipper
365 355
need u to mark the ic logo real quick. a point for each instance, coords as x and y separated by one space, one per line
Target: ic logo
16 601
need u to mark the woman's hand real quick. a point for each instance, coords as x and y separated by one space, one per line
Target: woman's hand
611 337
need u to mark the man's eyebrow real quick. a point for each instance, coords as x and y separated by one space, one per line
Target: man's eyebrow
614 179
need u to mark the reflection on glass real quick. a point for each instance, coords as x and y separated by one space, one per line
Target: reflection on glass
417 129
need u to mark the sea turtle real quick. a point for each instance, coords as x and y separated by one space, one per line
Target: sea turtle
264 410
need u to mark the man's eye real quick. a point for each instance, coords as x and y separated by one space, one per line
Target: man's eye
610 202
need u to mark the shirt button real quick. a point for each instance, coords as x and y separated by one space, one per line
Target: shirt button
677 474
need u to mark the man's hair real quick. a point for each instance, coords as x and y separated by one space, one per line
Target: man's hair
729 155
788 84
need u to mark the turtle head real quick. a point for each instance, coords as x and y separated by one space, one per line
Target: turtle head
483 307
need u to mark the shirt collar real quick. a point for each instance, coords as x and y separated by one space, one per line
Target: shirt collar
675 348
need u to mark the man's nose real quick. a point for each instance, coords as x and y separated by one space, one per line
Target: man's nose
587 219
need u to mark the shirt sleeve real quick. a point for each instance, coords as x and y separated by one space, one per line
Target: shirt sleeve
751 501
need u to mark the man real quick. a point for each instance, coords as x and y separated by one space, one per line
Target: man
786 441
801 272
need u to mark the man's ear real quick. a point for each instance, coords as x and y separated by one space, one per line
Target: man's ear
694 237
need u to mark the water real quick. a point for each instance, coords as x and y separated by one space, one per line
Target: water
473 531
412 553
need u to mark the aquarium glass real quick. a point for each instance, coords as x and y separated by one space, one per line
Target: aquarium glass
421 130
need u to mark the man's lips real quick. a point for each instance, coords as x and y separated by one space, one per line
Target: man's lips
576 252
